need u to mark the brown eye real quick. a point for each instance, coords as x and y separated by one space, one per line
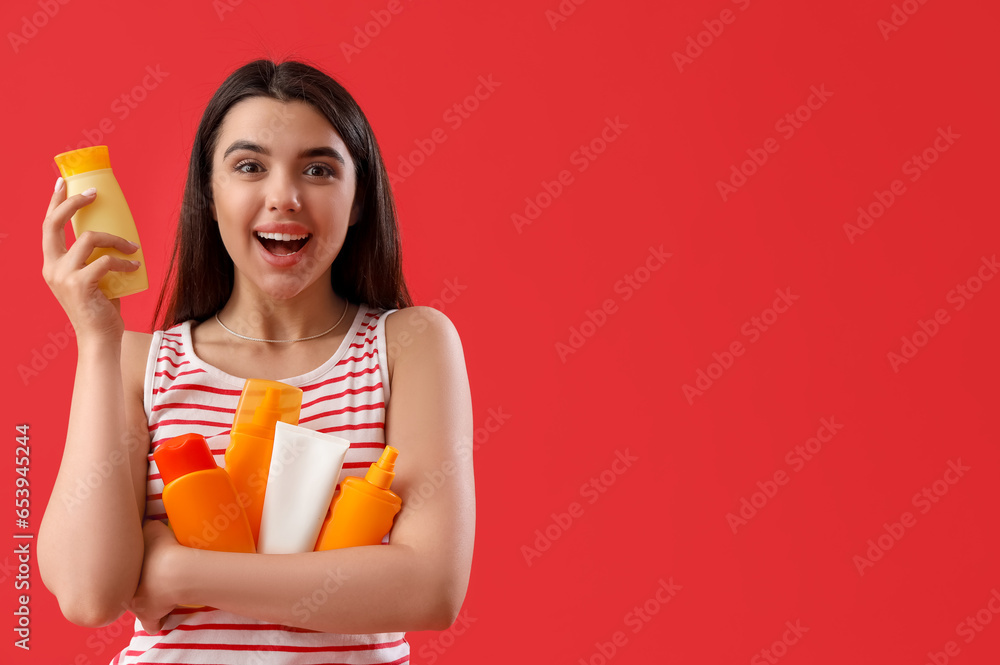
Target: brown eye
246 162
327 171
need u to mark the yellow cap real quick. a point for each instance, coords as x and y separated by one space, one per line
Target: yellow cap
85 159
263 403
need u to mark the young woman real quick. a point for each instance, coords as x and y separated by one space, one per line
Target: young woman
286 266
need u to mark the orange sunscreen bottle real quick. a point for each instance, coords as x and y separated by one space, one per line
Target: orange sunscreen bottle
109 212
248 456
202 507
363 511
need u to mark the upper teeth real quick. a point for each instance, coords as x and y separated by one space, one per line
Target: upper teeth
282 236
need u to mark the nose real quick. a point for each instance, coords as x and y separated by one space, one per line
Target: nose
283 193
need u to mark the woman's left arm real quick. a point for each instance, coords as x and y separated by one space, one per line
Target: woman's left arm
416 582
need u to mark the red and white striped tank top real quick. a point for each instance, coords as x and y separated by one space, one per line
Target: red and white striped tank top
346 396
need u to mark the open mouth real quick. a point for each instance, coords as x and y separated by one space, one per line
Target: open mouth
282 244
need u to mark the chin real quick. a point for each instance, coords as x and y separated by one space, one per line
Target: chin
284 289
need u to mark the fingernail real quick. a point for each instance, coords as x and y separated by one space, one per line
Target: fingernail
59 184
137 263
90 192
132 244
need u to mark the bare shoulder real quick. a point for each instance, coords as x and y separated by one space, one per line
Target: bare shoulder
135 353
419 330
429 420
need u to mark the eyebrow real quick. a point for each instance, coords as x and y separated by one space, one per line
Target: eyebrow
319 151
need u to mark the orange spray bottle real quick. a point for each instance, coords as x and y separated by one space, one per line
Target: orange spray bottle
248 456
203 510
362 513
202 507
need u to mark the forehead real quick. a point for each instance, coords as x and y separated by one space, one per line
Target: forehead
281 127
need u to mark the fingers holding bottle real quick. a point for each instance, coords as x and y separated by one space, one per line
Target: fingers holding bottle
74 274
59 212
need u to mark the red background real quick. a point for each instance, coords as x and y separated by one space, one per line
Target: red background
827 356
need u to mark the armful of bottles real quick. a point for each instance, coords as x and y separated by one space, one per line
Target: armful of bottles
275 493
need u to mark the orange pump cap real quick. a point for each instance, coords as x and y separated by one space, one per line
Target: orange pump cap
182 455
263 403
83 160
382 472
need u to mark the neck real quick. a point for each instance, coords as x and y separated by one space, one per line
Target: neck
304 314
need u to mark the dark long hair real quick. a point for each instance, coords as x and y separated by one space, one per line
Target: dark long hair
369 267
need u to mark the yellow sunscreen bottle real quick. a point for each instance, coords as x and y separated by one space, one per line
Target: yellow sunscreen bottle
109 213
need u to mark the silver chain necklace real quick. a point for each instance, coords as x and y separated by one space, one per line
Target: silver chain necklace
301 339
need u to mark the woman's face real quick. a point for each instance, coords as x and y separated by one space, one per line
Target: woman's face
277 169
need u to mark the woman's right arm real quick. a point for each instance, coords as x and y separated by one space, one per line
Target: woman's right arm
90 542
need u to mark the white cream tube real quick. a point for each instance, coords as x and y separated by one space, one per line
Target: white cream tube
305 466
